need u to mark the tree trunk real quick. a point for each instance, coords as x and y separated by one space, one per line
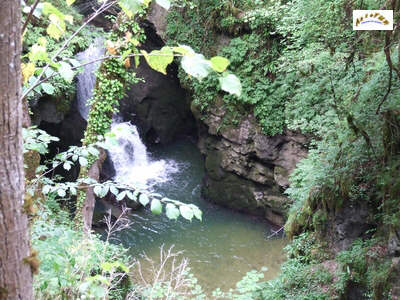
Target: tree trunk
85 205
15 274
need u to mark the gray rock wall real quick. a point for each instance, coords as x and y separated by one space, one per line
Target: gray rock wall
247 170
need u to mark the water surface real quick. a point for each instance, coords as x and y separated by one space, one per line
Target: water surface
221 248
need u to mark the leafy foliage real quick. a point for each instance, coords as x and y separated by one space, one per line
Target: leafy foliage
75 265
42 40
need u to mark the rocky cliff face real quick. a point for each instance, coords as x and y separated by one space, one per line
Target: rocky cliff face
247 170
157 105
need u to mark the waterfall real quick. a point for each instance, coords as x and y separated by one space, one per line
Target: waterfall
131 161
86 80
130 158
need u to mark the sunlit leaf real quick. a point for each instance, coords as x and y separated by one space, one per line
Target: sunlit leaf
83 161
164 3
197 213
54 31
219 63
143 199
38 52
231 84
61 192
49 8
66 72
159 59
70 2
186 212
184 50
130 195
67 166
196 65
172 211
97 190
107 266
69 19
93 151
130 7
47 88
46 189
114 190
27 71
73 191
156 207
121 195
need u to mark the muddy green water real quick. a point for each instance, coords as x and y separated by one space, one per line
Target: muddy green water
221 248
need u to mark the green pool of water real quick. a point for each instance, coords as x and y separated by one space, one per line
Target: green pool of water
221 248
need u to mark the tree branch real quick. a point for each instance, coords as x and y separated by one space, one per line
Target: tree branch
28 18
92 62
106 5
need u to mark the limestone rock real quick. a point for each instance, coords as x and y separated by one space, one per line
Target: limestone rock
158 17
157 105
247 170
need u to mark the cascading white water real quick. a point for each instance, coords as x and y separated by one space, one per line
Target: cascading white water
87 79
131 161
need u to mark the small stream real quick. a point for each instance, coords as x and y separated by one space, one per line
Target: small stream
221 248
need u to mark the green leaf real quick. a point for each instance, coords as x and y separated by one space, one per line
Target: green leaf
61 192
73 191
197 213
231 84
46 189
93 151
70 2
83 161
172 212
123 267
66 72
186 212
67 165
54 31
107 266
156 207
49 8
143 199
196 65
97 190
159 59
48 88
164 3
114 190
104 191
130 195
130 7
219 63
121 196
184 50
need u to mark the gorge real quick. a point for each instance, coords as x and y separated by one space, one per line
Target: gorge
294 166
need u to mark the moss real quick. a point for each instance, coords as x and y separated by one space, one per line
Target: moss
222 28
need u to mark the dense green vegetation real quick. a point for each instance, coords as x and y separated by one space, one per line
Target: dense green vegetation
303 68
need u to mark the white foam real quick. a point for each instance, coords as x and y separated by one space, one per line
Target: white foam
131 161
